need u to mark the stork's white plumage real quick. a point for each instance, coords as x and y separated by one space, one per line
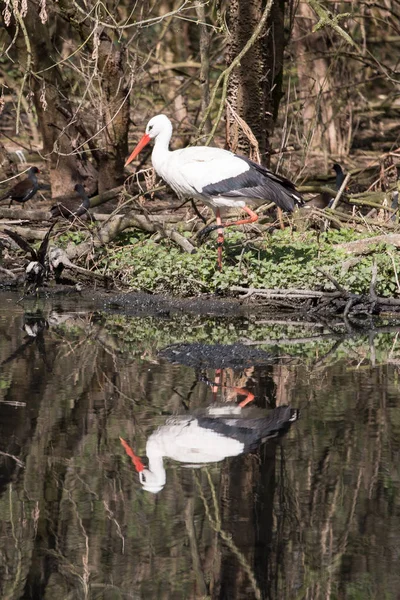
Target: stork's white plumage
217 177
218 433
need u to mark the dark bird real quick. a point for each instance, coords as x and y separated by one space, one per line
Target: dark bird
395 205
340 176
34 326
38 268
217 177
67 209
24 190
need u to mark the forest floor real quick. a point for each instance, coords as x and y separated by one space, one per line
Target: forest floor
341 261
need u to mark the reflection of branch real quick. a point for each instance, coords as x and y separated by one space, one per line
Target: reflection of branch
189 510
19 462
27 65
322 360
226 537
318 338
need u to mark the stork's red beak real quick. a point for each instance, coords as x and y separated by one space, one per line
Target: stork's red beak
139 466
143 142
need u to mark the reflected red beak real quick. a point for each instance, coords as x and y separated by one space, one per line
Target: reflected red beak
143 142
139 466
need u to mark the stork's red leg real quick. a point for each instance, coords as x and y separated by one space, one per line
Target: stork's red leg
253 217
220 238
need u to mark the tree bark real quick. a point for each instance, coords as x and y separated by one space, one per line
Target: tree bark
50 93
255 86
116 114
315 83
102 117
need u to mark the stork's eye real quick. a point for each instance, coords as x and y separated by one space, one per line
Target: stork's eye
150 127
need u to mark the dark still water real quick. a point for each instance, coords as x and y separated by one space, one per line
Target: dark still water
260 458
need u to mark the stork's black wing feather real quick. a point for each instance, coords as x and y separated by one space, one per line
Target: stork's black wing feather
252 431
41 255
22 243
270 174
259 183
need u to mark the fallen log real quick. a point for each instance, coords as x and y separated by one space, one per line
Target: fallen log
340 301
118 223
364 245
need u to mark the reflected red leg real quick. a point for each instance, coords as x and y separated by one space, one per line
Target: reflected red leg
217 381
244 392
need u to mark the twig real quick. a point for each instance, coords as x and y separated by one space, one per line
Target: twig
327 18
395 271
340 192
335 282
27 66
205 62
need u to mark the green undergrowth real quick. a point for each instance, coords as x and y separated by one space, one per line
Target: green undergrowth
284 260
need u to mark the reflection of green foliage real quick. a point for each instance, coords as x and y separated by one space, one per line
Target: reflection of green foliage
283 260
4 384
139 334
364 589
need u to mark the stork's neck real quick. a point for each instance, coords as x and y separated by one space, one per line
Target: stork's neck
161 149
156 463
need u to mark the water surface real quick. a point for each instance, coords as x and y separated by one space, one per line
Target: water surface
312 513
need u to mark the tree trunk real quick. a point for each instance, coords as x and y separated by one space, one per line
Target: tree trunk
255 86
114 88
50 96
316 83
102 117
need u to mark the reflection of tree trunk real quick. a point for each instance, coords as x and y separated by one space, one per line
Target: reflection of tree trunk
237 516
263 509
247 494
49 444
283 379
254 89
196 563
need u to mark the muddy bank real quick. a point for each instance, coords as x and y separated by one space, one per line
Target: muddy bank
307 273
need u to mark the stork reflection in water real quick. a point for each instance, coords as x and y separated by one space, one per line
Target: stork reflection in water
211 434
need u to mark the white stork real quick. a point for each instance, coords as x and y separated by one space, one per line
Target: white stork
211 436
217 177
